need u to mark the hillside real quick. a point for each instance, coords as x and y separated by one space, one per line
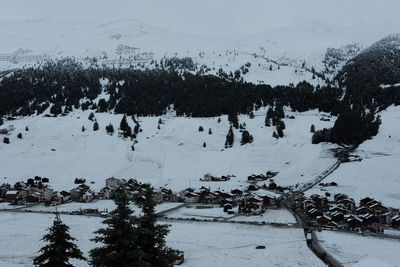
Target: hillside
377 175
172 156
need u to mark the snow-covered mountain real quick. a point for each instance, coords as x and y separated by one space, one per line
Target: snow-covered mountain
280 56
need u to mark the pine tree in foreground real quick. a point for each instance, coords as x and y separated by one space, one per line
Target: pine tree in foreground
119 239
151 236
60 248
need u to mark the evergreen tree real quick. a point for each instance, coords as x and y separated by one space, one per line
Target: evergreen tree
251 115
151 236
95 126
119 239
246 138
1 120
83 128
234 119
275 135
229 138
209 131
219 120
125 128
279 111
123 124
26 128
59 248
110 129
269 116
56 109
279 128
201 128
19 135
102 106
91 116
204 144
312 129
6 140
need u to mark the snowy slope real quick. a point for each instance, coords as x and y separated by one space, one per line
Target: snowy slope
377 175
356 250
172 156
130 42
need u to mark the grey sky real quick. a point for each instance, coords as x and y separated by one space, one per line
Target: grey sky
213 17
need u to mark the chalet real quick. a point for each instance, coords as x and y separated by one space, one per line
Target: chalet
65 195
364 210
257 178
87 197
78 192
227 207
106 193
332 224
320 202
33 198
348 203
396 221
167 194
340 209
323 220
113 182
338 217
12 195
308 203
183 193
236 192
23 193
269 201
46 194
354 222
191 197
378 208
370 221
254 208
365 201
158 196
314 213
339 197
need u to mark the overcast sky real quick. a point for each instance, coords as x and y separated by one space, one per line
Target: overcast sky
212 17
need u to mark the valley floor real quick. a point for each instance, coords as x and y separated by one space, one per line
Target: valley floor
204 243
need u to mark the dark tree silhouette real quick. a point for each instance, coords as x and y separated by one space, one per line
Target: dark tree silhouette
60 248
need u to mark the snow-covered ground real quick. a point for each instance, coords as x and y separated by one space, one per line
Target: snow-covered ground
281 216
377 175
202 212
101 205
350 249
172 156
212 244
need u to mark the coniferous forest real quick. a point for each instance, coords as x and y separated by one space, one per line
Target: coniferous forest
66 84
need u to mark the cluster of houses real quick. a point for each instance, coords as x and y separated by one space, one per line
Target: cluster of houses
33 190
261 177
343 213
250 201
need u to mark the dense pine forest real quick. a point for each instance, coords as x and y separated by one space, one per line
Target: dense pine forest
65 85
